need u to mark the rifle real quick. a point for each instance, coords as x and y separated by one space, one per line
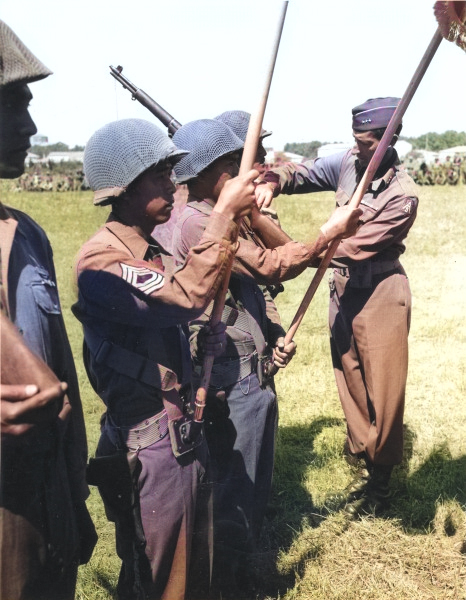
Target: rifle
137 94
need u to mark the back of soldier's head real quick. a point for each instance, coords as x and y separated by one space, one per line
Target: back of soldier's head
18 68
120 152
207 140
238 121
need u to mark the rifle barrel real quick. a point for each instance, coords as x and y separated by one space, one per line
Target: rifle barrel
140 95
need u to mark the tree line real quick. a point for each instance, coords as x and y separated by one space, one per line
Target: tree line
44 150
428 141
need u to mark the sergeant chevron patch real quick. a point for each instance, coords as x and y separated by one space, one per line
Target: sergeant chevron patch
142 278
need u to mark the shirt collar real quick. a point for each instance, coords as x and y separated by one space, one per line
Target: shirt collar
7 214
208 201
135 243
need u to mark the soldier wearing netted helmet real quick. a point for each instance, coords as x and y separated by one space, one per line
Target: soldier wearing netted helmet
46 531
370 298
241 412
132 304
238 122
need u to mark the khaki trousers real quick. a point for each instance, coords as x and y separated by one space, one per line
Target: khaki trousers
369 342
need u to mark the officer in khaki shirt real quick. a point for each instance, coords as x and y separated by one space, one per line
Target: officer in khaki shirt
133 304
370 299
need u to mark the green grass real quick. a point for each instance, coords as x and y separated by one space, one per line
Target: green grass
417 551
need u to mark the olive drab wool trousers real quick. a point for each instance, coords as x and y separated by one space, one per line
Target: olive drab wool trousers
369 342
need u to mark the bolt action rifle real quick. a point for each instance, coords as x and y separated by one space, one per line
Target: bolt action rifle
137 94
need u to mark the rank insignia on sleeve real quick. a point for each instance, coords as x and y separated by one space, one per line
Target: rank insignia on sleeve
407 206
142 278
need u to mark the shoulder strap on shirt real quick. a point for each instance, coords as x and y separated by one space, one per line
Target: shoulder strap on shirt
130 363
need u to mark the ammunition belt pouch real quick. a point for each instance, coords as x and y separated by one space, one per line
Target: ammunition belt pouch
236 369
140 435
178 414
251 354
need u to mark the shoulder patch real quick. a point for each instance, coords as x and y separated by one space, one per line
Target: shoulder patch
408 205
142 278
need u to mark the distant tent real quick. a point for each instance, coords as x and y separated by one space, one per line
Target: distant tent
328 149
451 152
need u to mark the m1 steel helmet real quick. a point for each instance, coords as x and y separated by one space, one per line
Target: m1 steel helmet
121 151
207 140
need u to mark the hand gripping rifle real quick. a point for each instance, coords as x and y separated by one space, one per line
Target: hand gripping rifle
137 94
451 17
247 161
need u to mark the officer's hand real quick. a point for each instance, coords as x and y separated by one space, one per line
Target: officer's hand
343 223
237 196
264 194
282 354
213 339
24 406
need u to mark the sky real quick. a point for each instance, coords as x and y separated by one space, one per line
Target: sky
198 58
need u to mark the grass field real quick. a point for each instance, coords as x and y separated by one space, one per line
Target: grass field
308 553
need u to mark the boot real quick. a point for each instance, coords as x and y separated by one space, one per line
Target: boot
371 495
358 462
355 460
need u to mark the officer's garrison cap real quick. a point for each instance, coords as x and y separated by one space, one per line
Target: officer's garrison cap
375 113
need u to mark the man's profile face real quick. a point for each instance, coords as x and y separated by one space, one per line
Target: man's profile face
366 145
16 127
220 171
152 195
259 161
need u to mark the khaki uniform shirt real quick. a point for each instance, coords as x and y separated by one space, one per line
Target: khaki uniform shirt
136 300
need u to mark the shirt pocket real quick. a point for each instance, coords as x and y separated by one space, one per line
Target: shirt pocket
45 293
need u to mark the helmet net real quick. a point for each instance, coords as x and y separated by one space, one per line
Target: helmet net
206 140
120 151
17 63
238 121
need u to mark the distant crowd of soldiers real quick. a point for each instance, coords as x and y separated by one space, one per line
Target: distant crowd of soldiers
40 179
449 172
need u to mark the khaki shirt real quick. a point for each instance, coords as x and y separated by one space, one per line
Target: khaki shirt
389 206
138 302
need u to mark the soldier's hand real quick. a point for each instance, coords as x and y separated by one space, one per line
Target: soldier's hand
343 223
237 196
213 339
264 194
25 406
282 354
